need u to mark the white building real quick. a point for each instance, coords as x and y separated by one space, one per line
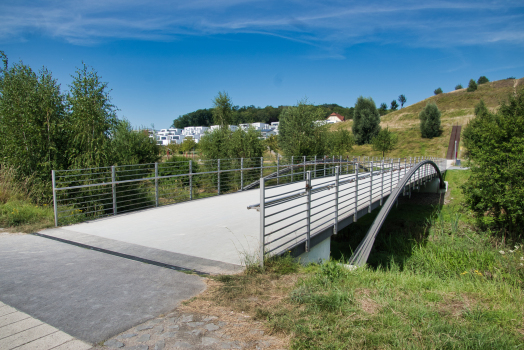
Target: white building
335 118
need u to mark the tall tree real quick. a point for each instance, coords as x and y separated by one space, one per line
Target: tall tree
223 109
366 120
383 109
430 121
394 105
402 100
300 133
472 86
482 80
92 120
341 142
385 141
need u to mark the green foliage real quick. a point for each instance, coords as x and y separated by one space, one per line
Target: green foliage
495 144
132 146
340 142
402 100
366 120
472 86
299 132
385 141
482 80
458 87
223 109
200 117
223 143
272 143
437 91
394 105
187 145
383 109
430 121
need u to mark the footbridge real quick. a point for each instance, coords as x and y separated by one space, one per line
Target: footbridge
217 216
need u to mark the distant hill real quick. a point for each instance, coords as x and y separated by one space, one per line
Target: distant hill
457 108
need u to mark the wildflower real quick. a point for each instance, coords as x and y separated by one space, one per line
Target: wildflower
511 251
465 272
521 264
522 258
516 247
501 252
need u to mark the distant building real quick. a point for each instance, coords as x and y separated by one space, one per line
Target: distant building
335 118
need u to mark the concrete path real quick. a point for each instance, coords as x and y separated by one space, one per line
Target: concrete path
20 331
88 294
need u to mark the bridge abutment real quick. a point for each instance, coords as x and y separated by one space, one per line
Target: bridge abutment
317 254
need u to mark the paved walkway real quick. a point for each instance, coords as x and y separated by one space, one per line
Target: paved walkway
88 294
20 331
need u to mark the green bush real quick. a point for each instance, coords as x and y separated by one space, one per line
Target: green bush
385 141
482 80
430 121
366 120
472 86
437 91
495 144
458 87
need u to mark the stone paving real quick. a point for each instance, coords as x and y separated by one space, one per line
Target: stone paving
19 331
180 330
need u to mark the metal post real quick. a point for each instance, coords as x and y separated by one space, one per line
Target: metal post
371 188
261 166
382 181
355 217
337 174
113 187
190 180
324 162
278 169
308 214
405 170
304 175
262 209
218 173
292 167
333 163
242 174
391 182
455 154
54 197
315 172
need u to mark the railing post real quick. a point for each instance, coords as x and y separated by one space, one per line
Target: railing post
278 169
308 213
315 168
262 220
218 174
53 181
382 181
370 188
261 166
333 163
304 171
292 167
391 182
113 188
355 217
190 180
337 175
242 174
156 184
324 162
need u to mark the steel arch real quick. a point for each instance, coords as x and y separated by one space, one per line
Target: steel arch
361 254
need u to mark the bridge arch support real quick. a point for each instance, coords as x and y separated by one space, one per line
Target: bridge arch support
361 254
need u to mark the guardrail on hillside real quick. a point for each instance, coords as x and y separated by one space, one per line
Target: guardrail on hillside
86 194
291 214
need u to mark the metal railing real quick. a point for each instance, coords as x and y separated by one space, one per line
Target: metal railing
86 194
290 214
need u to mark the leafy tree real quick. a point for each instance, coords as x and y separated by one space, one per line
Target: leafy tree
92 120
187 145
495 144
383 109
394 105
402 100
437 91
472 86
430 121
458 87
482 80
299 132
385 141
132 146
223 109
200 117
223 143
32 122
366 120
341 142
272 143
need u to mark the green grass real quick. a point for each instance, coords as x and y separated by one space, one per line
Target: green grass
433 281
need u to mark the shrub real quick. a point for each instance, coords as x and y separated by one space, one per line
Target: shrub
458 87
472 86
495 144
482 80
437 91
430 121
385 141
366 120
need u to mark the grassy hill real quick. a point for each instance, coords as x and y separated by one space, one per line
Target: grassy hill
457 108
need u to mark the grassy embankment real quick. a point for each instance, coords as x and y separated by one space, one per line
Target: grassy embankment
433 281
17 211
457 108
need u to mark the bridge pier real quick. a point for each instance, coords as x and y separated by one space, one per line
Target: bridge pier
317 254
433 186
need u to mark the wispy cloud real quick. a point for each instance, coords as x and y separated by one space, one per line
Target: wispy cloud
333 25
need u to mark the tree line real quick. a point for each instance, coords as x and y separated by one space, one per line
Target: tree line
42 128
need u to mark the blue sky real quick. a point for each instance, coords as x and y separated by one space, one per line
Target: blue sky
163 59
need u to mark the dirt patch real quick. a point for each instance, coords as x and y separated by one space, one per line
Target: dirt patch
367 304
455 305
